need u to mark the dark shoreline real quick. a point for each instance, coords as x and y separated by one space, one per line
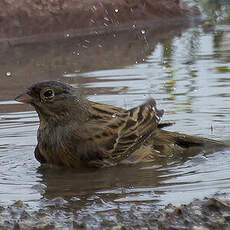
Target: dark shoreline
210 213
31 21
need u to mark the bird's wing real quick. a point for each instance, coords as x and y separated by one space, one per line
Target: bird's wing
119 132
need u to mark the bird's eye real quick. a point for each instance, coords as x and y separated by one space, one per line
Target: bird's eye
47 95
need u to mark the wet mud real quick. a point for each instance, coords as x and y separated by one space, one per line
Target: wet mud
32 21
210 213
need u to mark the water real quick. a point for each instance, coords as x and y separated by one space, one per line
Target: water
185 70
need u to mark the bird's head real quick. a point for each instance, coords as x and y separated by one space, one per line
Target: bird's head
53 100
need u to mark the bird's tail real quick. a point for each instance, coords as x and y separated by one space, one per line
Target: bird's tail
173 142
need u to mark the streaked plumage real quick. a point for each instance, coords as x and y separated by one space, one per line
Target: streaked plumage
76 132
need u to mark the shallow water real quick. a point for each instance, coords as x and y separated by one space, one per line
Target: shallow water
185 70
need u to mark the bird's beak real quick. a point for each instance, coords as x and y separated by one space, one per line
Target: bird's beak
24 98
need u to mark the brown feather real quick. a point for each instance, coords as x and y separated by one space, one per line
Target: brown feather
76 132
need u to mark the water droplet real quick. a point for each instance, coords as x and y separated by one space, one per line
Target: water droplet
100 45
75 199
157 117
67 35
78 53
106 18
8 74
74 52
91 20
134 26
114 115
203 156
116 10
143 31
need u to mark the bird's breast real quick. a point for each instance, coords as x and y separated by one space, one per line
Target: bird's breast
57 147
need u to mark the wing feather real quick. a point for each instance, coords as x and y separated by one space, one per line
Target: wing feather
119 132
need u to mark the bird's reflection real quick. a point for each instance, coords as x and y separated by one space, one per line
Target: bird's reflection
69 183
84 183
112 182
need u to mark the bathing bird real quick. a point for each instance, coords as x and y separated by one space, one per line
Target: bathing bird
76 132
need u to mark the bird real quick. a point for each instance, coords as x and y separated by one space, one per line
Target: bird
76 132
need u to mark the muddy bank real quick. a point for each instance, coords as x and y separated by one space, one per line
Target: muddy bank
22 21
200 214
